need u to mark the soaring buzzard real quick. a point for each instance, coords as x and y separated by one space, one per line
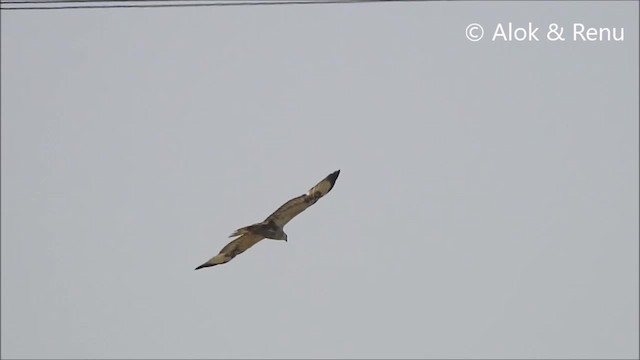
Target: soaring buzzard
272 226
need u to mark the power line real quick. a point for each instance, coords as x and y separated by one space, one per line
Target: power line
115 4
222 2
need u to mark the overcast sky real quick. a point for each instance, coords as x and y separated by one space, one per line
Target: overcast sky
487 205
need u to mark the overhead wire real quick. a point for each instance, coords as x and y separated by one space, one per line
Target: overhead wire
114 4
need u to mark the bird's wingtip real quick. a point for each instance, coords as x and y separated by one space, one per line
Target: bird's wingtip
333 177
202 266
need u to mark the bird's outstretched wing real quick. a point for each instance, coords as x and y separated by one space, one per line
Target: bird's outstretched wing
295 206
232 249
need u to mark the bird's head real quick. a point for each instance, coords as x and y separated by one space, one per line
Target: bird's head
279 235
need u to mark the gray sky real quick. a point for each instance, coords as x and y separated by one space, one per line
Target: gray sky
487 205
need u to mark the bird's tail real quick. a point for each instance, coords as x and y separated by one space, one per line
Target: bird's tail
240 231
255 228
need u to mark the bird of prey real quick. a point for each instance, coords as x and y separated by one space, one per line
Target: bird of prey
272 226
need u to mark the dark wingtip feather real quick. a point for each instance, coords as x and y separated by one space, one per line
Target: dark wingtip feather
203 266
333 177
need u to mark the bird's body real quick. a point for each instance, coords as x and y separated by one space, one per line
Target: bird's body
272 226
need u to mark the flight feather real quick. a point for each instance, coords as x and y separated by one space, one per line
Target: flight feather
295 206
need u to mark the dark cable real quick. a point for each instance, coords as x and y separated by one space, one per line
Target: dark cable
176 3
